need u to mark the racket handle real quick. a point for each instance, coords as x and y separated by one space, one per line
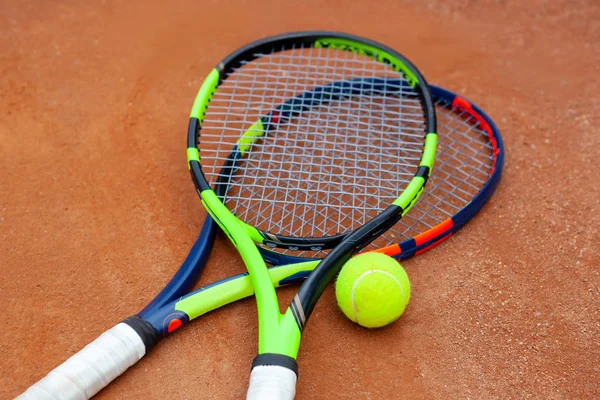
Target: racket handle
92 368
273 377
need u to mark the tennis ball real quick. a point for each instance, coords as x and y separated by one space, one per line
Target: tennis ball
372 289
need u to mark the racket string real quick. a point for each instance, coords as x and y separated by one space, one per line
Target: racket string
463 164
323 170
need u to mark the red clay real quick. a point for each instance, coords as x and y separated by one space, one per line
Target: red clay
97 208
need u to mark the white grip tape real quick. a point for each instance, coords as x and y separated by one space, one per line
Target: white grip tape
272 382
91 369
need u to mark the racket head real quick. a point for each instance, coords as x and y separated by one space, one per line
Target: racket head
295 80
469 164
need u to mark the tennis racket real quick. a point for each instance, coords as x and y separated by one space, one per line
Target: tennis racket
469 164
332 168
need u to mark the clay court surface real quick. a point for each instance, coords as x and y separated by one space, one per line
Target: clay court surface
97 209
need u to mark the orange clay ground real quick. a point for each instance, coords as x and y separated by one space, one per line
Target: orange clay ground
97 209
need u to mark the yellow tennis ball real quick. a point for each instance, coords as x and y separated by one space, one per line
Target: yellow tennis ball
372 289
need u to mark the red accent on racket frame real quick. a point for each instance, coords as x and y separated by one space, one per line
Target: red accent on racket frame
433 244
426 236
463 105
173 325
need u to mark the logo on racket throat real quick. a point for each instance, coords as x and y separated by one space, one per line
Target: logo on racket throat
298 312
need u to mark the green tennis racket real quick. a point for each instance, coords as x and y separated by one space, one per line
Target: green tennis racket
292 133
